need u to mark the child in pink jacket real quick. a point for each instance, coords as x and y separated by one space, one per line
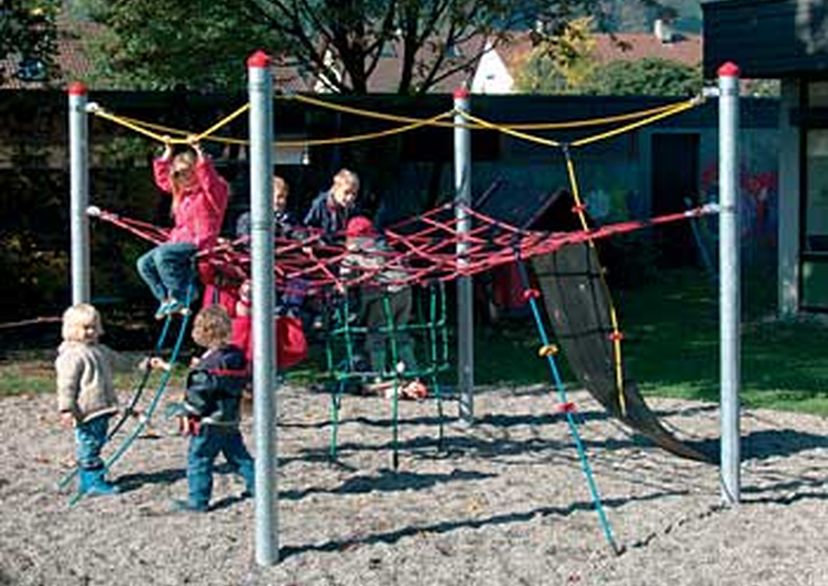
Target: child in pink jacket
199 201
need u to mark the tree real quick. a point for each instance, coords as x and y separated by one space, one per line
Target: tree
342 41
28 35
562 63
158 44
650 77
339 43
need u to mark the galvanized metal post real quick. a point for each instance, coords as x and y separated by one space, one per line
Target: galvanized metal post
465 296
729 278
79 192
260 90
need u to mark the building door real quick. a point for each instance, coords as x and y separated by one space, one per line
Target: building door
675 180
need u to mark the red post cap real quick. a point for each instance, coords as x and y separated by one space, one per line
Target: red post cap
461 93
728 69
259 59
76 88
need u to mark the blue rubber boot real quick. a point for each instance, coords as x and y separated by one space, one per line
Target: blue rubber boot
92 483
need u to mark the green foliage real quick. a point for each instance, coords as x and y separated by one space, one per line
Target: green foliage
154 44
761 88
28 36
561 63
646 77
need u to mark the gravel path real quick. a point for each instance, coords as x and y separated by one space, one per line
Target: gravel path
507 503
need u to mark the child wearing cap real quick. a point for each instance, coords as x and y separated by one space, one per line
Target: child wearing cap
368 262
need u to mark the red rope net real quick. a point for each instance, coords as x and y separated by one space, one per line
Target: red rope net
419 250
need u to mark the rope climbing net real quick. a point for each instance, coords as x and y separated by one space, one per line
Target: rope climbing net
416 251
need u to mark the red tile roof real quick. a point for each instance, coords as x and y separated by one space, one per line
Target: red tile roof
71 60
685 49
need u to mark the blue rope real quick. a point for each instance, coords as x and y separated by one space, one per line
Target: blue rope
159 345
570 420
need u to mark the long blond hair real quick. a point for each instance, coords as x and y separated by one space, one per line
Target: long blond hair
189 158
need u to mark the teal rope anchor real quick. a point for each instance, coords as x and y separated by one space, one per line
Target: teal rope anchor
567 412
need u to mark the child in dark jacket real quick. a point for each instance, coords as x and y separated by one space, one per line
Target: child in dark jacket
283 220
212 406
332 209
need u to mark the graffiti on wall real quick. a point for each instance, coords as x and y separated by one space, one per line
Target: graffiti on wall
758 203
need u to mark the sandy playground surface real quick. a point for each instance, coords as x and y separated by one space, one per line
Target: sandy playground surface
506 504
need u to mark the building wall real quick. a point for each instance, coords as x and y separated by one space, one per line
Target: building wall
789 185
768 39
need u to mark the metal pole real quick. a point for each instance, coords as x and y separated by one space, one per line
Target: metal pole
729 275
465 296
79 191
260 90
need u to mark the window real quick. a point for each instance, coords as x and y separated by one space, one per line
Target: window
818 94
816 197
31 69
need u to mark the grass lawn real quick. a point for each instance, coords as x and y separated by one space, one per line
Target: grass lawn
671 348
671 345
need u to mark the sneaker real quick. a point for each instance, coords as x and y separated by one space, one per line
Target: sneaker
162 310
176 306
414 390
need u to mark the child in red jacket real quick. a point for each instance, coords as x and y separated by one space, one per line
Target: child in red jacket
199 201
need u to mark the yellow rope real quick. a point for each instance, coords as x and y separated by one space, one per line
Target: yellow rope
664 113
506 130
518 126
616 337
365 136
589 121
675 109
145 127
224 121
359 111
152 126
117 120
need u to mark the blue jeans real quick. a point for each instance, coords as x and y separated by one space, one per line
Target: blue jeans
202 454
168 269
90 438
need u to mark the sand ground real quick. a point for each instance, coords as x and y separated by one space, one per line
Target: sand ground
506 503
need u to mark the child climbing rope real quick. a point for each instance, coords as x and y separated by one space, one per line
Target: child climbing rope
86 393
199 201
211 408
